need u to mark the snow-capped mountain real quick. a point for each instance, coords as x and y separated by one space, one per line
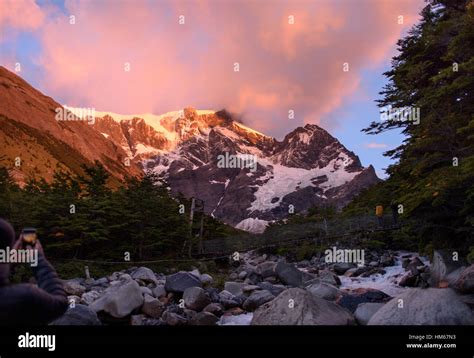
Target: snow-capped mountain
189 148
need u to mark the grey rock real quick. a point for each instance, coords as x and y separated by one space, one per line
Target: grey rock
465 281
73 288
256 299
180 281
329 277
275 290
351 300
195 273
120 299
88 297
189 314
365 311
306 310
323 290
341 268
146 291
137 320
152 307
266 269
101 281
236 288
159 291
233 276
290 275
431 306
195 298
442 266
173 319
206 279
242 275
249 288
144 274
204 319
80 315
214 308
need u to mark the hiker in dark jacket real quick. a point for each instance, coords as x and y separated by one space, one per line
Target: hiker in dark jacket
27 304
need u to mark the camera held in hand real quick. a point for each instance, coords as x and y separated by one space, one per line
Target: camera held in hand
29 236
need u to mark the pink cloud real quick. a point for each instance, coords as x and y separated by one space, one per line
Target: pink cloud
374 145
21 14
282 66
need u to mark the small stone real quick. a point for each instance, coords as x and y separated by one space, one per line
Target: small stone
204 319
73 288
89 297
152 306
214 308
146 291
159 291
173 319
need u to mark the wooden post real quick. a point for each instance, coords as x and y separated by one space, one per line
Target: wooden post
191 219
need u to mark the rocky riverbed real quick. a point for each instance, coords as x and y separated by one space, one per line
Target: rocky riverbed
391 288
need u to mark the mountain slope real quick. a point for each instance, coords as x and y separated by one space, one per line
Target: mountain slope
31 136
308 167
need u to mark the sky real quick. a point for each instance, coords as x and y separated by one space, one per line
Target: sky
279 64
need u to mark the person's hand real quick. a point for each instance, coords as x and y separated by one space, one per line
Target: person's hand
18 245
39 247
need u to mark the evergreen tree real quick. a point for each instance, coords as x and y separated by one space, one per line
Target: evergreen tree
433 177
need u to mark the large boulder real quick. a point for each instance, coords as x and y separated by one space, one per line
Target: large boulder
366 310
144 274
195 298
444 268
180 281
465 282
120 299
351 300
323 290
432 306
80 315
290 275
296 306
256 299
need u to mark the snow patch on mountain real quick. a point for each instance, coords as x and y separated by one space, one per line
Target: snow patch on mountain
253 225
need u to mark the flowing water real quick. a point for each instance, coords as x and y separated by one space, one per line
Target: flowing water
386 283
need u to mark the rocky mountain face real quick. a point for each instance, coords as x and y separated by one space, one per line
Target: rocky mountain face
35 144
245 178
